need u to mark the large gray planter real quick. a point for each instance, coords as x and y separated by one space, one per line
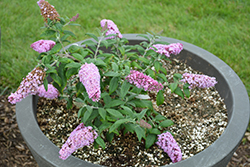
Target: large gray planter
218 154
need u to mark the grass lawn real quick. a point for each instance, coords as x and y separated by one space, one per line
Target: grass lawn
220 26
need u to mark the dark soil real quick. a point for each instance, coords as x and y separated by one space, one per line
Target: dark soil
15 153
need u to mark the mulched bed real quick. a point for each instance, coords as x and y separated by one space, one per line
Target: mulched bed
15 153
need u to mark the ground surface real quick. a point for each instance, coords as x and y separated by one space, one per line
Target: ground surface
15 153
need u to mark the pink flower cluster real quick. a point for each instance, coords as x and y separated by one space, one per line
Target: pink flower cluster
197 80
51 93
170 146
74 17
43 45
90 77
144 124
174 48
28 86
79 137
143 81
112 28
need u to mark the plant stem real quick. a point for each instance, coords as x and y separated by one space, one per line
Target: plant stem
98 45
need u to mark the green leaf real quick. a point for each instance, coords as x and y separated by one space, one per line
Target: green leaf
59 26
114 103
65 60
84 53
69 103
134 64
101 142
186 92
87 114
144 60
163 76
64 38
45 83
80 112
56 48
129 127
104 126
160 98
155 131
122 50
124 89
110 136
177 76
113 84
128 111
117 124
70 72
144 36
173 86
100 62
166 123
157 66
56 78
140 133
79 88
48 33
93 36
162 69
77 56
159 117
112 74
73 65
141 114
69 33
114 67
179 92
89 43
115 113
106 98
151 73
102 113
74 49
93 115
150 140
141 103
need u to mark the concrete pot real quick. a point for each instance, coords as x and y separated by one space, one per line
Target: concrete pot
218 154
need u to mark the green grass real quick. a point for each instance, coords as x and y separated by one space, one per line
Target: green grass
220 26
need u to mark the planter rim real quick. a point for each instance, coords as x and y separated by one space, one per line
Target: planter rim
215 153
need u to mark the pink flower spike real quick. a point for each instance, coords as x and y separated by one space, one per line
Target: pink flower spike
112 28
28 86
170 146
43 45
81 136
174 48
51 93
90 77
143 81
197 80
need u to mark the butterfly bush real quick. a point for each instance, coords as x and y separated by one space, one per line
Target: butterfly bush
167 50
107 86
43 45
112 28
197 80
81 136
90 78
170 146
143 81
